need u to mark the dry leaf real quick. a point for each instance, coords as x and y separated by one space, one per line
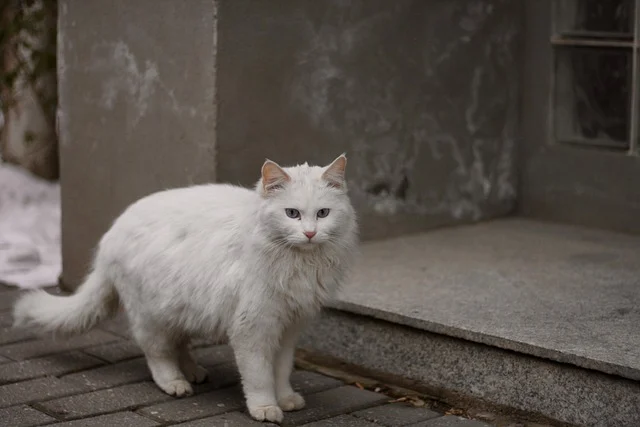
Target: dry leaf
418 403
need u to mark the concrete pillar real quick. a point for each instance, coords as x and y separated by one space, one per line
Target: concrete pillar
137 110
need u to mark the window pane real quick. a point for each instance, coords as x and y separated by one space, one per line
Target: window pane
593 96
604 18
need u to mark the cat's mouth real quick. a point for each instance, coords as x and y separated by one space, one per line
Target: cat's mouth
306 246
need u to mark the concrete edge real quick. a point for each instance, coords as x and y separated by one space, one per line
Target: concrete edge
447 367
488 339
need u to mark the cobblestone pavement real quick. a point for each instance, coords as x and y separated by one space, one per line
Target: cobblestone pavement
100 379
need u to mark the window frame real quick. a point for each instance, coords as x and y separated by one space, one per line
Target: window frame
600 41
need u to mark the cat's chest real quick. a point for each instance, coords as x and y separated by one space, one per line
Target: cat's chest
306 287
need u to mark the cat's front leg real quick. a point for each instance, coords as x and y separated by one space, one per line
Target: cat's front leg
288 399
255 363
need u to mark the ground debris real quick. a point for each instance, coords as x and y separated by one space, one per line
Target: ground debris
413 400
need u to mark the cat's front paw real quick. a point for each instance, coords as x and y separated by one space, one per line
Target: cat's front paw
292 402
177 388
270 413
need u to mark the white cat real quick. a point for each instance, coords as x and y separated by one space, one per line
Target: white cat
247 267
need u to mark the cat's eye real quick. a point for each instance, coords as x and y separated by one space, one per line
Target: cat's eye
322 213
292 213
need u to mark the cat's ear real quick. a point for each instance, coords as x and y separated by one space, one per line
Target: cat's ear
334 173
273 176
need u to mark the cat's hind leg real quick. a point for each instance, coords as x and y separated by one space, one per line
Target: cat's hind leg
193 372
163 358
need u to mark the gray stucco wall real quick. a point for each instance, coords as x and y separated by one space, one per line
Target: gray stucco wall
137 111
575 185
422 95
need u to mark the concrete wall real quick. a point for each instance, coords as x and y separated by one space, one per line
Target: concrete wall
576 185
422 95
137 112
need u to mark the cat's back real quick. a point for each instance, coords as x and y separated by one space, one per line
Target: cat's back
198 206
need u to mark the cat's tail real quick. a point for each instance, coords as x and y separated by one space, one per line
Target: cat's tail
94 301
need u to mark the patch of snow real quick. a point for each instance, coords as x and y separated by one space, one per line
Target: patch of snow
30 255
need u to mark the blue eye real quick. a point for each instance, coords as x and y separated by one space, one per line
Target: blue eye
322 213
292 213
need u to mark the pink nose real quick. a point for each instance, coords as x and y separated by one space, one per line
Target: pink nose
309 234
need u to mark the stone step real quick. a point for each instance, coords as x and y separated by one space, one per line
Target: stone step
534 316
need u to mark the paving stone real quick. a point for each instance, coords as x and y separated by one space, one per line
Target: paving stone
223 375
231 419
396 414
118 325
6 319
116 351
43 347
120 419
38 389
306 382
211 356
23 416
221 401
125 349
450 421
7 298
197 406
52 365
128 372
330 403
9 334
342 421
104 401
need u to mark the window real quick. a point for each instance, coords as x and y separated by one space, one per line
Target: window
596 74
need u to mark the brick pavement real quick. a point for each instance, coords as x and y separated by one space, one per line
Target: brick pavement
100 379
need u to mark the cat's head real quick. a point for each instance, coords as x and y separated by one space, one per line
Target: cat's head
306 206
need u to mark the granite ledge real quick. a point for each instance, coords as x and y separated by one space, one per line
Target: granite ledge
580 312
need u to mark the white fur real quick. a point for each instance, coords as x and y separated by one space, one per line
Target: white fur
219 261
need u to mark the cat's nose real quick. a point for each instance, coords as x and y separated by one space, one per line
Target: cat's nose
309 234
